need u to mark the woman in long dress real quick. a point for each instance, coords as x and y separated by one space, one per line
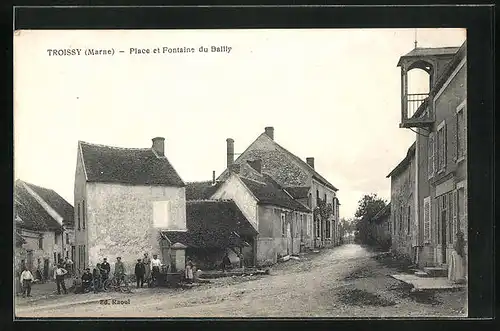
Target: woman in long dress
456 269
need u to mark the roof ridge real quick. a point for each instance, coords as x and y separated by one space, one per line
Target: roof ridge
209 200
301 161
253 180
115 147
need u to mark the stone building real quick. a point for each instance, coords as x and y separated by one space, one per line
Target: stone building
282 222
298 178
439 118
403 192
124 199
43 223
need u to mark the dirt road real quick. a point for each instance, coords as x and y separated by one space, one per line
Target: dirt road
342 282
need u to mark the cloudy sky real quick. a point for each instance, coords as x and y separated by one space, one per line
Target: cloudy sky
329 94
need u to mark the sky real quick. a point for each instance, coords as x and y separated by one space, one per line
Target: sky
330 94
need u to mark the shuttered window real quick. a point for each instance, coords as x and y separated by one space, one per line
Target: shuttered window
78 216
83 214
427 220
431 155
461 132
441 140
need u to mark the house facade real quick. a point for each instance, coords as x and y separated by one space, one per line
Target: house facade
299 178
124 198
42 222
439 118
282 223
404 233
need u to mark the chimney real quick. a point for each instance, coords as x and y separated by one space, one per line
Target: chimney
256 164
230 151
159 145
213 177
310 161
270 132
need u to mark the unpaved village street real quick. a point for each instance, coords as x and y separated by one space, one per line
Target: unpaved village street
346 281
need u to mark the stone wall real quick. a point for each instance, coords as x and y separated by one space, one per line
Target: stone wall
120 220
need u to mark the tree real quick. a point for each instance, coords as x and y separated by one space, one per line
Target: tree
368 206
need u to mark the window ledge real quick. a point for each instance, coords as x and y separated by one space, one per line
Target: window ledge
441 171
460 159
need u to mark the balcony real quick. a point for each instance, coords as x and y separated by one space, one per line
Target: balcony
414 101
415 110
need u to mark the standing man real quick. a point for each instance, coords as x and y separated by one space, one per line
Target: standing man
106 269
86 281
26 279
226 262
119 270
155 268
140 271
59 276
147 265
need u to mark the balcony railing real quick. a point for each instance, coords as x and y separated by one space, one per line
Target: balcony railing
413 101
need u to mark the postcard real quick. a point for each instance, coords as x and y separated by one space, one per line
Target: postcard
287 173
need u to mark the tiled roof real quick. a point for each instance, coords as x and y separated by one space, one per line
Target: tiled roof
213 224
459 56
58 203
30 213
269 192
438 51
135 166
298 192
404 163
200 190
281 164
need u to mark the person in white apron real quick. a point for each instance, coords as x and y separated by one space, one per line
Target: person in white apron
456 269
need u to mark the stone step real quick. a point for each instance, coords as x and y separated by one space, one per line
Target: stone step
436 271
421 273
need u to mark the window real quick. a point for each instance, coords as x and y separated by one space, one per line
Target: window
83 214
325 199
78 216
441 145
283 223
327 229
40 242
408 221
431 154
309 201
161 214
67 238
317 197
55 238
461 132
427 220
318 229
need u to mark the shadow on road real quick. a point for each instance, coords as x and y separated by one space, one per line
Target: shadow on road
359 297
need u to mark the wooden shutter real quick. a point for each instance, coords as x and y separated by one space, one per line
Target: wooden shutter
427 220
430 155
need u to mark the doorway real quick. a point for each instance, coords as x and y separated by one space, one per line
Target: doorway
443 235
